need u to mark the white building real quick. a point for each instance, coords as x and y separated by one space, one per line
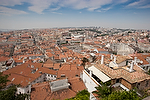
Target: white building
28 74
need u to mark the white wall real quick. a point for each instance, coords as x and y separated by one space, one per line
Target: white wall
50 77
21 90
89 82
38 80
26 89
122 64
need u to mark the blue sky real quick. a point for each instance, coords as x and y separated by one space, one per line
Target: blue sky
23 14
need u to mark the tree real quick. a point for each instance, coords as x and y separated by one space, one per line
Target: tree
103 90
107 93
9 93
129 32
3 80
81 95
93 58
84 60
148 72
122 95
147 36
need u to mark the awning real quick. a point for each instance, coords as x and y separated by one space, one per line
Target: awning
104 78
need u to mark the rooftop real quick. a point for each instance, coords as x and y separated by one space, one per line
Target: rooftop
27 72
41 91
132 77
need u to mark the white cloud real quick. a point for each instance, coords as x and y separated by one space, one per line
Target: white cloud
9 11
105 9
57 13
139 4
11 2
98 10
90 5
92 8
146 6
121 1
39 6
133 4
36 5
55 9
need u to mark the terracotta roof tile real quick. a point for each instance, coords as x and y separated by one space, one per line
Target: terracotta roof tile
69 70
135 76
22 74
3 58
41 91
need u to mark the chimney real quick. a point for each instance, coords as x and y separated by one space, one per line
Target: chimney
135 59
131 67
37 69
115 58
102 59
29 87
111 57
91 73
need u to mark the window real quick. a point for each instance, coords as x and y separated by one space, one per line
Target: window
138 85
76 75
117 80
32 89
126 63
147 83
62 75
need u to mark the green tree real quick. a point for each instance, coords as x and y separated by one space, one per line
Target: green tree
149 72
129 32
93 58
107 93
122 95
9 93
84 60
81 95
3 80
103 90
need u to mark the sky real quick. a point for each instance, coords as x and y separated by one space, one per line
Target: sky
28 14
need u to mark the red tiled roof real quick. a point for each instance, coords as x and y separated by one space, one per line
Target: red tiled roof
136 76
141 57
3 58
43 92
70 70
22 74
